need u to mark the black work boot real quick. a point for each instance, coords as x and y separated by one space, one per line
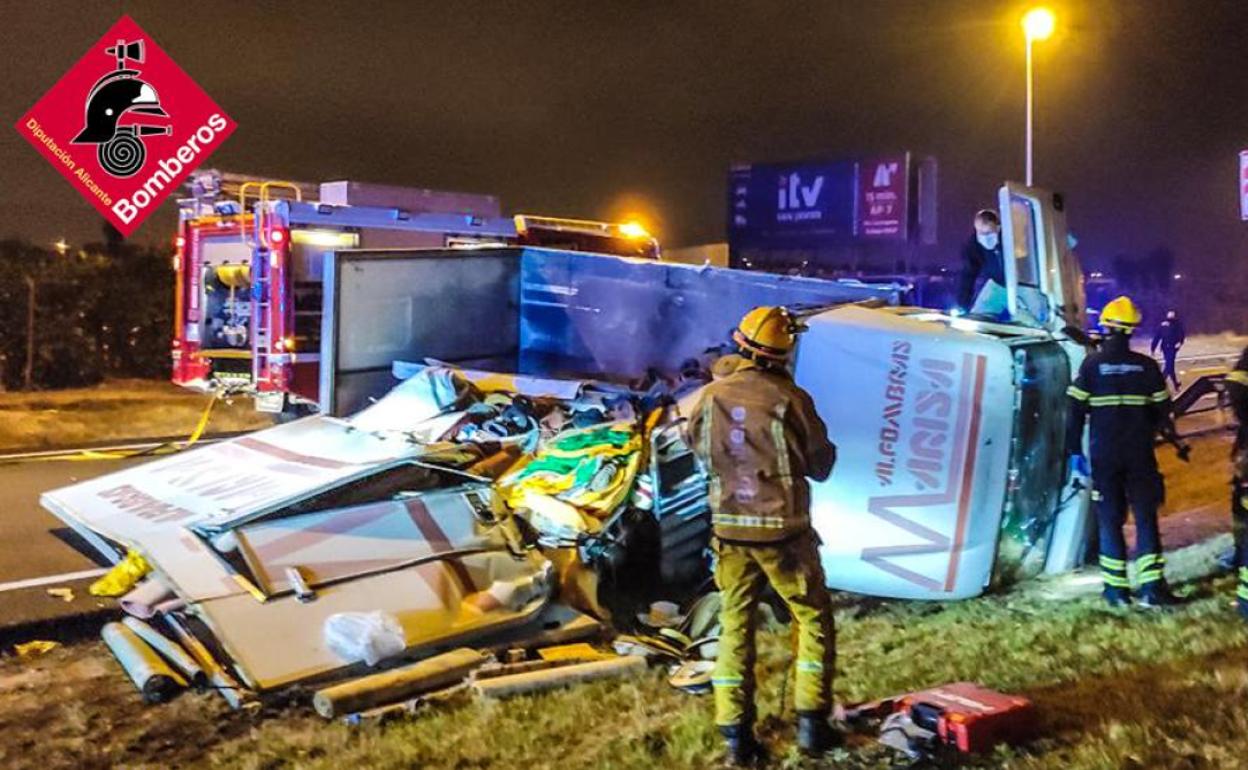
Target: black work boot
814 734
742 749
1157 596
1117 598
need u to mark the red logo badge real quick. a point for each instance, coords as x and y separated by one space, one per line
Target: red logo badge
126 125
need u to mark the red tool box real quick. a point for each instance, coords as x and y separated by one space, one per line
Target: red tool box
968 717
961 717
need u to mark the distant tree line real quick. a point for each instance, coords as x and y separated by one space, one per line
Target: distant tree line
71 319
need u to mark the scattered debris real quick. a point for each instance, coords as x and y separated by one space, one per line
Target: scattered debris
505 518
150 673
692 676
559 676
571 652
64 594
124 576
35 647
364 636
169 650
398 684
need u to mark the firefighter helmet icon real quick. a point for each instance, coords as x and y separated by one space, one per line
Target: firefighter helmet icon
120 147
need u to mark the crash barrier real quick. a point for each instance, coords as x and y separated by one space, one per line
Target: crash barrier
120 452
1211 381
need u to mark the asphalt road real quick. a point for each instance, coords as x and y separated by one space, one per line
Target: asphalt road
38 552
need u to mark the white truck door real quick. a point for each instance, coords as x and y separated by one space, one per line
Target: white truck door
1038 259
1042 275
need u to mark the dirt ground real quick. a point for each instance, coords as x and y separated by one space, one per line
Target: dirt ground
117 410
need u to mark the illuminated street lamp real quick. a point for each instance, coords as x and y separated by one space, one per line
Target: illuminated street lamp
1038 24
634 229
61 246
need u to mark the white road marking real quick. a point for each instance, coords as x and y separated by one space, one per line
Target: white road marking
17 585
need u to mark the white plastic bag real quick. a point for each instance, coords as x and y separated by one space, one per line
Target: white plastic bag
367 636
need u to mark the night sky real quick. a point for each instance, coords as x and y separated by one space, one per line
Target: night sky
602 109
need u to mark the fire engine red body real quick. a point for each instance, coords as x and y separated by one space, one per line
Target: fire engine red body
248 268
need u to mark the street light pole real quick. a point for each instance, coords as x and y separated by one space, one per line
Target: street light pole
1038 24
1030 109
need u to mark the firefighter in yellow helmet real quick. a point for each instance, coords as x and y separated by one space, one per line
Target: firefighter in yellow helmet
759 437
1123 396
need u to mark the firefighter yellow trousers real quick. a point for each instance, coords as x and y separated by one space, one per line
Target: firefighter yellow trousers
792 568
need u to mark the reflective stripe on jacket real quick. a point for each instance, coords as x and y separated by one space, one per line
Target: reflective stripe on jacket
1124 398
759 436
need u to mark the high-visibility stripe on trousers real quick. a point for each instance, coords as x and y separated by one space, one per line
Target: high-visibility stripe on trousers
792 568
1114 572
1149 568
1113 487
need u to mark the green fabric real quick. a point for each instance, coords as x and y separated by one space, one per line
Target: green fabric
575 441
575 452
793 570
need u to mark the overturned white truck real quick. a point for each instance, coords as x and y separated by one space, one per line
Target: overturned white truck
950 470
950 430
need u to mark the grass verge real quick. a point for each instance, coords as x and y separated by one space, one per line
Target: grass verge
1115 690
114 411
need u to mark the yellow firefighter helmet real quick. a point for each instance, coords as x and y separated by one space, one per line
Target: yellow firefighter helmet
767 332
1121 314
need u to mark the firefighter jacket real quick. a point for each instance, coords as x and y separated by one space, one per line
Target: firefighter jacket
1237 393
1123 395
759 437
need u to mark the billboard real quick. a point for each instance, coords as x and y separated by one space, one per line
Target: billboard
794 203
816 204
883 198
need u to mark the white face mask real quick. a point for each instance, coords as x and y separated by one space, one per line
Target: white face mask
988 240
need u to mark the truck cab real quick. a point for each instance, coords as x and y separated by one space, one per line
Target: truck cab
951 429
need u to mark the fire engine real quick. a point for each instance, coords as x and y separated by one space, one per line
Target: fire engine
249 254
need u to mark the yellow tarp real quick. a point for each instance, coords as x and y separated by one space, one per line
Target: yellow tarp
124 575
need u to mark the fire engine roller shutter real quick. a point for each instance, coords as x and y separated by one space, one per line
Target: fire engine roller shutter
403 305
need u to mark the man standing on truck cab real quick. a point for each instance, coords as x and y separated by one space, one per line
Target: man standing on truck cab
981 258
1237 391
759 437
1169 336
1124 396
